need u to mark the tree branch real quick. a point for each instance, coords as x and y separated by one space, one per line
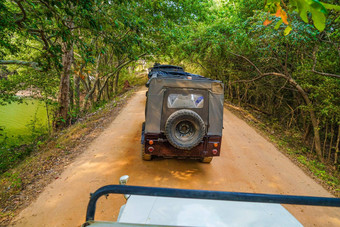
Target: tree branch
248 81
304 96
259 71
202 66
23 13
31 30
18 62
250 62
326 74
42 35
54 11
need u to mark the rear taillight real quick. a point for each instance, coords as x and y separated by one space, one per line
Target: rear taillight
215 151
151 149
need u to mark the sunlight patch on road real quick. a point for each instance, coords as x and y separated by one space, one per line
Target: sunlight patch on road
183 175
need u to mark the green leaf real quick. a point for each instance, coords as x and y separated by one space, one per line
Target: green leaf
319 19
287 30
302 10
330 6
316 5
278 24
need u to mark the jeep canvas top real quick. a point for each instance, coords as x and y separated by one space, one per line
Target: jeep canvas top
167 68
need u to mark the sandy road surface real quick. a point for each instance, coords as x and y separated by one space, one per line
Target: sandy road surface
248 163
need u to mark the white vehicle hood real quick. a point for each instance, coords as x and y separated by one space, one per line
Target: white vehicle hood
199 212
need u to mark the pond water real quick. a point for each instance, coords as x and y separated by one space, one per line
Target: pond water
17 118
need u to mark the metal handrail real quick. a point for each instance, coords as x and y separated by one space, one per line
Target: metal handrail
203 194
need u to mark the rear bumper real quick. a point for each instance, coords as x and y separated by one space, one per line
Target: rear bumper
161 147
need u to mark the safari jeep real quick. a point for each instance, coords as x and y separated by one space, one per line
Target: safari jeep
183 115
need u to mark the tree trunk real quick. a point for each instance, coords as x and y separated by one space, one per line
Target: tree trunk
111 87
315 122
324 142
230 89
99 92
306 134
337 147
64 87
238 95
76 93
77 79
89 95
330 143
116 83
71 96
107 92
47 114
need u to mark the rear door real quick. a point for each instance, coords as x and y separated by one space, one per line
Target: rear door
175 99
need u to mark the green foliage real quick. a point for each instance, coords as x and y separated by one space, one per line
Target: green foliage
211 46
104 38
306 9
10 155
14 180
319 170
15 149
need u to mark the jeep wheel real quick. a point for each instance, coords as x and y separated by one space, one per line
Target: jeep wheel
184 129
206 159
145 157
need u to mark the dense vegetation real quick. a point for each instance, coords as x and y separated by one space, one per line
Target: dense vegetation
280 58
283 63
76 54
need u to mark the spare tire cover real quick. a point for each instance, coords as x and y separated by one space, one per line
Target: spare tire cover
184 129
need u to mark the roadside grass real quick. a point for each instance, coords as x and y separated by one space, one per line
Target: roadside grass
289 142
320 171
12 153
23 183
328 176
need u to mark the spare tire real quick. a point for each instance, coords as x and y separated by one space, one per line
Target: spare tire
184 129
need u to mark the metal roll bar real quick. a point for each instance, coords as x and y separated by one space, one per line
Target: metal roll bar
203 194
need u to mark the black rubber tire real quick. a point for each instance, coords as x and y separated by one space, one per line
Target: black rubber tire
145 157
184 129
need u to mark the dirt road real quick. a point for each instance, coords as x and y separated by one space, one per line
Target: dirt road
248 163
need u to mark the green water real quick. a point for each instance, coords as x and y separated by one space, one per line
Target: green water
17 119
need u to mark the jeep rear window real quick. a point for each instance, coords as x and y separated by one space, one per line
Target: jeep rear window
185 101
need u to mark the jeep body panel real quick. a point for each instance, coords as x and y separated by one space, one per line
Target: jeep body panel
163 148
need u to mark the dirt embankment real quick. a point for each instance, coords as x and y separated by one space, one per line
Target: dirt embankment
248 163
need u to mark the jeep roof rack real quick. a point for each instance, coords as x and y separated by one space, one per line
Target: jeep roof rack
164 68
175 75
174 67
162 74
